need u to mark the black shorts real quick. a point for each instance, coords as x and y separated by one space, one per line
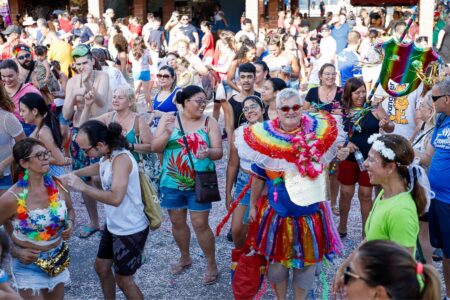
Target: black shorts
125 250
439 224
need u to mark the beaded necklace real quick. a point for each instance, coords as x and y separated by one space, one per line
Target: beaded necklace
22 213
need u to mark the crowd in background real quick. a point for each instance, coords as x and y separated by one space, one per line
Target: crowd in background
87 103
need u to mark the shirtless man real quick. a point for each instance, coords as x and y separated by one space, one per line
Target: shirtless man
87 84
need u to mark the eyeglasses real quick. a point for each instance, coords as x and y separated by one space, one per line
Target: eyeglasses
250 107
199 101
42 155
25 56
89 149
287 109
348 274
436 98
165 76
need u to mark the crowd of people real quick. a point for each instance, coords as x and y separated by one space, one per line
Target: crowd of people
88 104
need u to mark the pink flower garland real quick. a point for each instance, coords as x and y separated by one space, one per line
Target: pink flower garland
308 154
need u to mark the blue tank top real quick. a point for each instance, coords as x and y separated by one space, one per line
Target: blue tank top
166 105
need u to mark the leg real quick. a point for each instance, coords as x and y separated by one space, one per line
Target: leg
238 229
28 294
424 238
206 241
129 287
365 200
303 281
334 188
278 275
146 90
216 110
347 192
181 234
106 276
57 293
91 207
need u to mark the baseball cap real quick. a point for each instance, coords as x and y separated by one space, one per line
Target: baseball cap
12 29
81 50
74 20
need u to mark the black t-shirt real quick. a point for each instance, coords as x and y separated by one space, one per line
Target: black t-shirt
313 97
239 117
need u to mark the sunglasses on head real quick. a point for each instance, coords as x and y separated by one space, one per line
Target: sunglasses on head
165 76
25 56
436 98
286 109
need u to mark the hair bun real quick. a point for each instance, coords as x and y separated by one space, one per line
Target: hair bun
180 97
114 129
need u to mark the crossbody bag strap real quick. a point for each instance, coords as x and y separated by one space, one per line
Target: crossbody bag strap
185 142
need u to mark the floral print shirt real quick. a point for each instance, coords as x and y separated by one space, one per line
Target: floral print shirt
177 172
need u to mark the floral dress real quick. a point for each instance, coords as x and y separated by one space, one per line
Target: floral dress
177 172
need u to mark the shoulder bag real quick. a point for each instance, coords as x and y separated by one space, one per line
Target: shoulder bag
206 186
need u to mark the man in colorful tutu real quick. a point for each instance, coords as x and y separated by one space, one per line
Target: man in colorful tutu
291 223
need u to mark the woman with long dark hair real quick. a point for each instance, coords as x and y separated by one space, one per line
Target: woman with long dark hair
126 223
359 123
34 111
42 219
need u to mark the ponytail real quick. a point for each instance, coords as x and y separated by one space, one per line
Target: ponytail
432 283
35 101
418 192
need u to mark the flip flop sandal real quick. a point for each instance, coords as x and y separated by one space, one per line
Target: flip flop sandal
178 268
210 279
87 232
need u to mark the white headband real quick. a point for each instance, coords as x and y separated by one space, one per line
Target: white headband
380 147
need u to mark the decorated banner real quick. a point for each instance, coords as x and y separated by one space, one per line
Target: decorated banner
401 65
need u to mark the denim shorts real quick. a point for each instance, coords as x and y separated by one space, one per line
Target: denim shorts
176 199
242 180
32 277
61 120
5 182
439 225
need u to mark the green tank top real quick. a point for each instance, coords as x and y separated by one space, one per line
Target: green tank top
130 137
177 171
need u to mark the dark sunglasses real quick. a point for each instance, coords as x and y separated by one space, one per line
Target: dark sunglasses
25 56
349 274
165 76
436 98
286 109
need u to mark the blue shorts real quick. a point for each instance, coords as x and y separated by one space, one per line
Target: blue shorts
5 182
61 120
176 199
228 89
143 76
242 180
32 277
439 224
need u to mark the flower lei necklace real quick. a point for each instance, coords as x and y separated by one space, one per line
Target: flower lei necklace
22 214
307 152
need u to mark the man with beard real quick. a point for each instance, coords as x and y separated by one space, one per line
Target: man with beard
24 58
87 84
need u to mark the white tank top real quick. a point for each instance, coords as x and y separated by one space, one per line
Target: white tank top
128 218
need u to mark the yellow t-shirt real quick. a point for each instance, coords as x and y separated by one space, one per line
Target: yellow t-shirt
61 51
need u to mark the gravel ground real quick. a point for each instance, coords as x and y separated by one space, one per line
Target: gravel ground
154 278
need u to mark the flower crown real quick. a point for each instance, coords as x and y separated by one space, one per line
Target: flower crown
380 147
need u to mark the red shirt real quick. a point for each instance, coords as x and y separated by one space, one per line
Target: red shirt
208 41
65 25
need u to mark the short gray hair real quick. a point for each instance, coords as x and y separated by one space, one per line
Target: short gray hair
288 93
127 91
444 86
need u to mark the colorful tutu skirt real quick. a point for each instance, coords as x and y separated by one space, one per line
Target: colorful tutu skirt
295 242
